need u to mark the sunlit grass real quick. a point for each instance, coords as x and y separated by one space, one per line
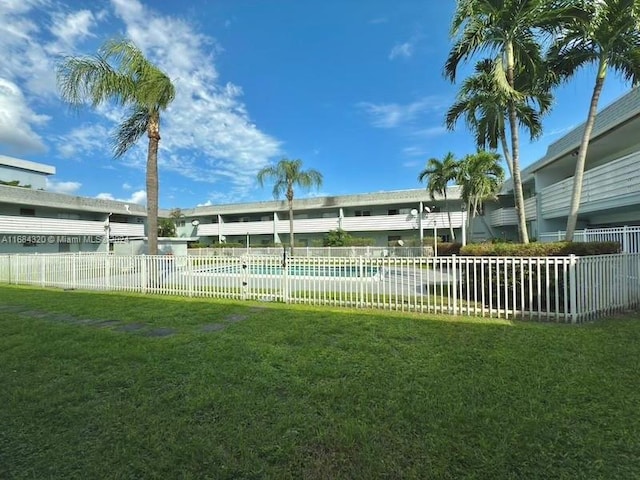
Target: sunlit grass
262 390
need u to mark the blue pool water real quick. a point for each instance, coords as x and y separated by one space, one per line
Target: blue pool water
336 271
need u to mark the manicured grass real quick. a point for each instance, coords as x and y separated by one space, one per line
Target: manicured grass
293 392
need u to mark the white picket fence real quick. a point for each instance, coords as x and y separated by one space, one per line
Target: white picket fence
564 289
627 237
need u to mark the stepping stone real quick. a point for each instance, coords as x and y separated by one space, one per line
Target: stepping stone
104 323
235 318
131 327
159 332
213 327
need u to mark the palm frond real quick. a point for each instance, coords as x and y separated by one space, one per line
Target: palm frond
130 131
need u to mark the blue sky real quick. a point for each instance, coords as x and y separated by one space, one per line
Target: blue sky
353 88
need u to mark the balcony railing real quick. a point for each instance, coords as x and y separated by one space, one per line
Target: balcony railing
126 229
10 224
374 223
504 216
18 225
509 216
611 185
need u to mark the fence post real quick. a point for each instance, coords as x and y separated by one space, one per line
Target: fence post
454 292
625 239
285 279
145 277
189 276
107 271
74 272
574 313
626 281
360 283
42 271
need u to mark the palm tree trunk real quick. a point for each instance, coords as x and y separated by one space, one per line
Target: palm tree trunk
506 153
515 152
572 219
446 205
291 228
153 132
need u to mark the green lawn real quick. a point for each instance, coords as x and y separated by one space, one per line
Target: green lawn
177 388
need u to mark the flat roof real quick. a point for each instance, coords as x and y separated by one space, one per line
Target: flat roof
27 165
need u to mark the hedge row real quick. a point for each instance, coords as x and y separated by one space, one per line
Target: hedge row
536 249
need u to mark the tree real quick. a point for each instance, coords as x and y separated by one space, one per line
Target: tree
336 238
121 74
484 106
480 177
508 30
609 36
166 228
438 175
286 174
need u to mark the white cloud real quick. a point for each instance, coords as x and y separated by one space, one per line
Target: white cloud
139 197
403 50
126 186
62 187
68 28
207 132
17 121
27 72
208 203
414 151
411 164
430 132
85 140
392 115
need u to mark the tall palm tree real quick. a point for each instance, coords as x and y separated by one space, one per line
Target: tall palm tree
610 38
507 29
438 175
480 177
121 74
483 105
286 174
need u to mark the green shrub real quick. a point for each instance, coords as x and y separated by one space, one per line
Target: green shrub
227 245
340 238
539 249
197 245
446 249
487 280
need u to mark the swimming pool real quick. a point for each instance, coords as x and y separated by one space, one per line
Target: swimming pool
331 271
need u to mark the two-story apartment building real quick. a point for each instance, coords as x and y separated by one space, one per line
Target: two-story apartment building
611 185
35 220
385 217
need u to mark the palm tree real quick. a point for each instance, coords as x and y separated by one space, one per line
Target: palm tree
286 174
484 107
438 175
507 29
480 177
609 38
120 73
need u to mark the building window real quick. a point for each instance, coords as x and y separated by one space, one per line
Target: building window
28 212
363 213
394 211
